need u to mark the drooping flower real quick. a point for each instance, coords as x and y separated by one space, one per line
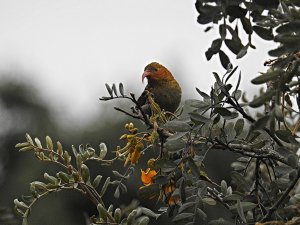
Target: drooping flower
147 176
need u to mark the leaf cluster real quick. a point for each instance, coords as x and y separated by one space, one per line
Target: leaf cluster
272 20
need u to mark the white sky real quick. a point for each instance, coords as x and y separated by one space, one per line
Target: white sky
70 48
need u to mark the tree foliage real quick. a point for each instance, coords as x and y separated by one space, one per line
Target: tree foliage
265 175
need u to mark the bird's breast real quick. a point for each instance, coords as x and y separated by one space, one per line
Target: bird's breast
167 95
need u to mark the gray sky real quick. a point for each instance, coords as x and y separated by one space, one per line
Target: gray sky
70 48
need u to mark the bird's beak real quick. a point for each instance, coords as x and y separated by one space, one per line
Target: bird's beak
146 74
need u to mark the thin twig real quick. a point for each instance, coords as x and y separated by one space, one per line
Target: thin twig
127 113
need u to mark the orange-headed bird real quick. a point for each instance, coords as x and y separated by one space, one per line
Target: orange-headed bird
165 89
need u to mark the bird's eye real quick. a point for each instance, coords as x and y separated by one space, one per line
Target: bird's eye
151 68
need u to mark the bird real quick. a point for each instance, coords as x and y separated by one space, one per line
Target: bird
164 88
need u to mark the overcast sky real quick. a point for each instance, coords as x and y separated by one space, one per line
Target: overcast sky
70 48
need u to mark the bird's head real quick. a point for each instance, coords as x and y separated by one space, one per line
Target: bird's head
155 72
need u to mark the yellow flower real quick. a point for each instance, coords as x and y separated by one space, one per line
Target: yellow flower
147 177
136 153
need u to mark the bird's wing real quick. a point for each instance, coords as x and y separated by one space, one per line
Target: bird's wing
143 98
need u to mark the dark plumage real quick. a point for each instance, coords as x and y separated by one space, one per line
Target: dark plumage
161 83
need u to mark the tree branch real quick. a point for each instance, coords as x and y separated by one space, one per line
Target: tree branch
237 106
247 150
282 198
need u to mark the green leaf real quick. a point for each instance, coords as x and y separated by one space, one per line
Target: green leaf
278 113
234 45
105 186
223 187
175 145
201 217
194 168
186 206
149 212
238 166
293 160
241 211
144 220
216 45
209 201
264 33
103 150
222 31
284 135
182 216
261 123
29 139
197 104
222 111
177 136
149 191
246 25
85 172
242 52
165 165
203 94
272 75
160 179
220 221
288 39
51 179
297 197
38 143
240 181
114 89
262 99
224 59
121 89
49 143
178 126
281 50
236 11
195 116
117 215
247 206
102 212
289 27
96 181
214 49
25 221
239 126
117 192
64 177
217 78
110 91
232 197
